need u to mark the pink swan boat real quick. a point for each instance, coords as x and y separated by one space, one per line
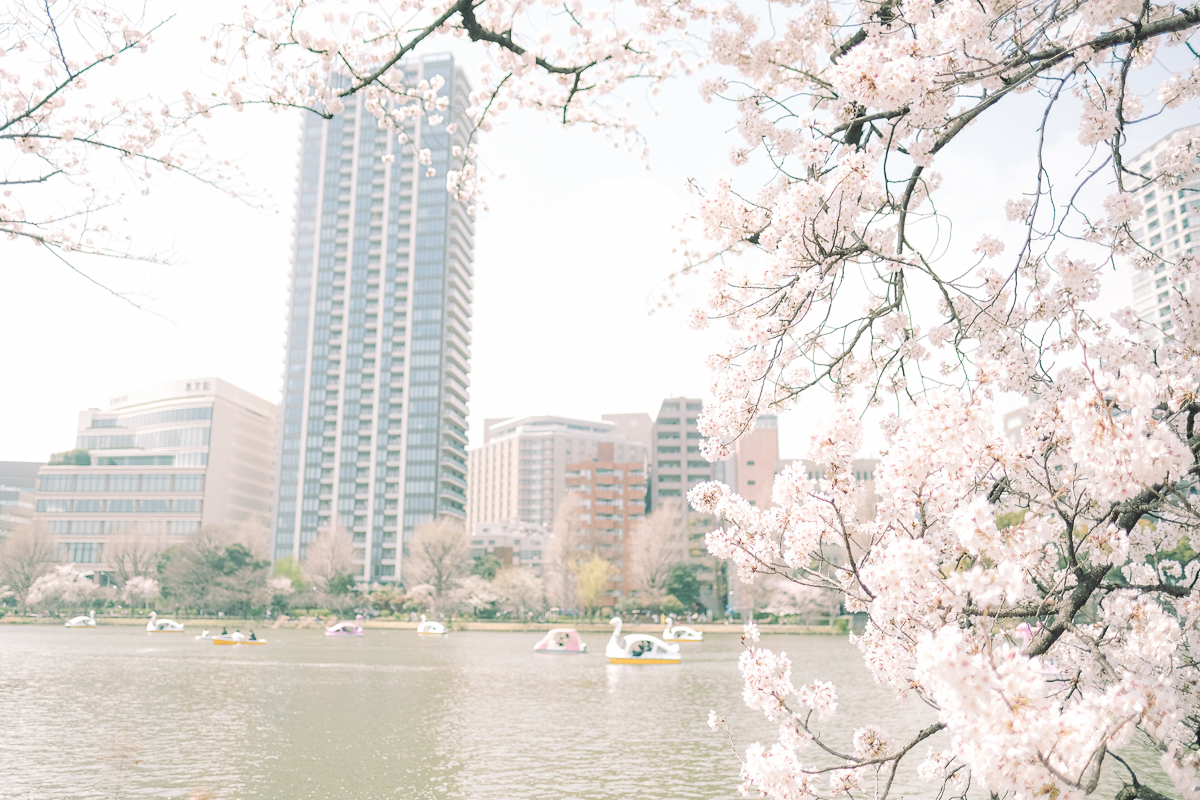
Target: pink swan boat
561 640
346 628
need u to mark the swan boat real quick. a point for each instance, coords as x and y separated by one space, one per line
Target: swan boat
431 628
561 640
156 625
237 637
639 648
83 622
346 628
681 633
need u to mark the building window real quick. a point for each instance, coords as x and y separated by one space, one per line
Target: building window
57 483
156 483
81 552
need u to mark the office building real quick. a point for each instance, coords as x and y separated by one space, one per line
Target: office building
675 467
18 485
16 509
1169 227
20 474
161 461
519 473
517 544
378 347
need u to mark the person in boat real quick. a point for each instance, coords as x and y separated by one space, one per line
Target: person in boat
253 638
224 632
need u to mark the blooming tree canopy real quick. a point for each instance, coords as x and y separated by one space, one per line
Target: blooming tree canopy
63 586
139 589
1032 593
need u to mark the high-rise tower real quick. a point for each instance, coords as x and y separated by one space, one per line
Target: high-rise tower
1171 222
375 394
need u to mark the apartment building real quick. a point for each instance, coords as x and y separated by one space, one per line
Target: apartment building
755 462
379 332
1170 227
162 460
675 467
610 498
519 472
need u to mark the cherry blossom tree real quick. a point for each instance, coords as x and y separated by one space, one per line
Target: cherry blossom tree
65 586
139 589
72 147
520 591
853 106
656 545
438 557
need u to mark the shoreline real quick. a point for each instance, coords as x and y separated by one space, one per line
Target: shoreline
311 623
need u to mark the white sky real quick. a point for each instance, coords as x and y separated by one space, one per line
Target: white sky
577 240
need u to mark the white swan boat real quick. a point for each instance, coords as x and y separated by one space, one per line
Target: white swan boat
237 637
346 628
156 625
639 648
561 640
431 628
681 633
83 622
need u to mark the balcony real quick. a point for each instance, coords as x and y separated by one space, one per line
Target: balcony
451 413
456 372
453 478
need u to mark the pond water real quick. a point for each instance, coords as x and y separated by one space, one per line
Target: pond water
115 712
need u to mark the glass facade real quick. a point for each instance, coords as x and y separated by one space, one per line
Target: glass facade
161 461
376 384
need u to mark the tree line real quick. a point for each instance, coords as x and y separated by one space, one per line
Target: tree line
223 570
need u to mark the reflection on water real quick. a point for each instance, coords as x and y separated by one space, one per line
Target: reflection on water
116 713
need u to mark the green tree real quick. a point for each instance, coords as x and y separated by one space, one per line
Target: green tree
289 567
207 572
75 458
683 585
486 567
342 583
